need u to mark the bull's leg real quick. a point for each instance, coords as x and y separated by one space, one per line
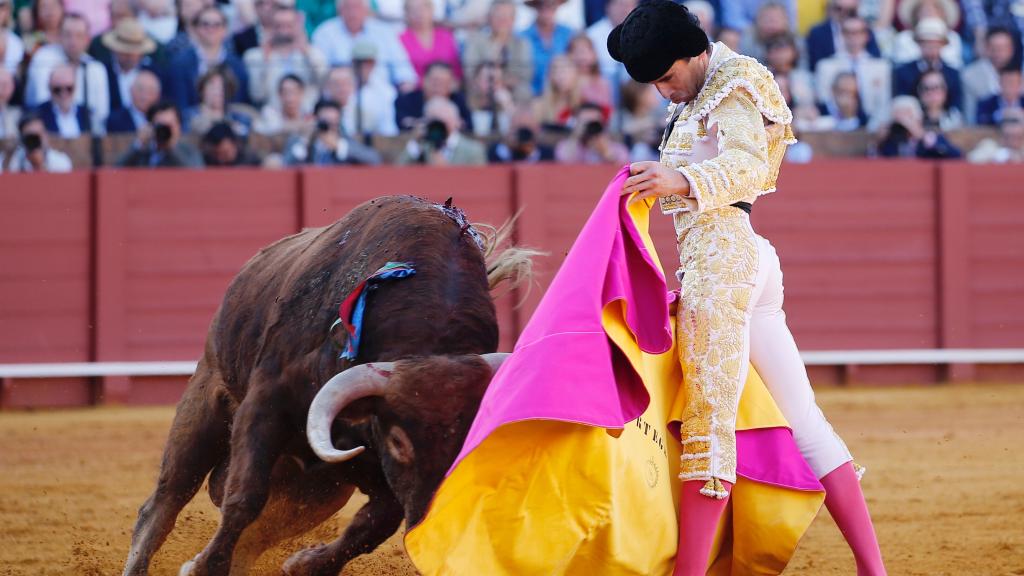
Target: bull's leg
258 434
377 520
299 501
197 441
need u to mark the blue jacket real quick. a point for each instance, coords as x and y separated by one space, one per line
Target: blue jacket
147 63
183 77
821 44
990 110
49 117
905 79
121 121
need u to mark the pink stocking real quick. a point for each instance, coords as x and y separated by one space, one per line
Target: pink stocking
845 502
698 521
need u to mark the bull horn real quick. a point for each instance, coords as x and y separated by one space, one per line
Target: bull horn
495 359
340 391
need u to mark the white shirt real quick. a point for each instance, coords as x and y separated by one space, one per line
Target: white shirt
53 161
335 41
67 124
15 51
37 89
378 110
124 82
264 75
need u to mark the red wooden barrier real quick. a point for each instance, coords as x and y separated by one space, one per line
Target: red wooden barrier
168 244
876 255
45 282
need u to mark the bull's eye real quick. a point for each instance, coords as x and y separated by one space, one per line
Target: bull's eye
399 445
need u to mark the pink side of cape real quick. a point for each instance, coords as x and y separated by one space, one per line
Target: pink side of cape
564 367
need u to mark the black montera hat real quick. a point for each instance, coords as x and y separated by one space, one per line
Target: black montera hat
654 35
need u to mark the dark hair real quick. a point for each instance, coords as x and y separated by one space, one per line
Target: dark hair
997 30
292 78
437 64
73 16
326 103
219 132
26 119
1012 68
35 12
205 9
584 106
226 76
920 80
784 40
162 106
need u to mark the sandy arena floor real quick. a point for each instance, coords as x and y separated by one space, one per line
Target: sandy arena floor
944 485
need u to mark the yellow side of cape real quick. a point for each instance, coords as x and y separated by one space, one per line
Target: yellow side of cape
549 497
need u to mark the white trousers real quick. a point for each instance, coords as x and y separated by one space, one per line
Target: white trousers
774 354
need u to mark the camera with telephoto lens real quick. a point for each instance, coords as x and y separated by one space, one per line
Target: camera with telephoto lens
592 129
436 134
161 133
32 142
323 126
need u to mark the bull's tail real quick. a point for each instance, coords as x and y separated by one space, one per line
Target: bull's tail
507 264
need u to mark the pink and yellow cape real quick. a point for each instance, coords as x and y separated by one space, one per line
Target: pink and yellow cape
569 466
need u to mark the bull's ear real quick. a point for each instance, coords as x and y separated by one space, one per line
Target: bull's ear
399 445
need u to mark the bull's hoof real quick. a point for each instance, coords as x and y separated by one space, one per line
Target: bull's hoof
312 561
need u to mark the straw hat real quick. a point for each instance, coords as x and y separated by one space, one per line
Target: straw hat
129 37
931 29
950 10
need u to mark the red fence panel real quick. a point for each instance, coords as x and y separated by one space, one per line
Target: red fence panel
45 269
169 242
485 194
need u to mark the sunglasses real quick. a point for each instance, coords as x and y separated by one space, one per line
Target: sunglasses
932 87
211 24
62 89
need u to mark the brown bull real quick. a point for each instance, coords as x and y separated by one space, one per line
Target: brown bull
242 419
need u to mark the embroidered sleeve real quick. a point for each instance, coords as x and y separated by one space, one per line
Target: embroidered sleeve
741 166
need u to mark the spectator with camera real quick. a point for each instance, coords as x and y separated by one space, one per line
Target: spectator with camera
9 114
223 148
439 141
33 153
590 142
158 144
908 137
328 146
520 144
145 93
284 51
438 80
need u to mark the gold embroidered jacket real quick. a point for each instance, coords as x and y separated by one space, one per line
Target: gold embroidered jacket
729 141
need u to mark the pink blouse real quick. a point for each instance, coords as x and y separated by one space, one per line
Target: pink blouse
444 50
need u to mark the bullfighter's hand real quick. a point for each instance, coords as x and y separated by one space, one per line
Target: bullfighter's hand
654 180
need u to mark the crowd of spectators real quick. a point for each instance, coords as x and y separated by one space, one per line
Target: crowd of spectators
463 82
